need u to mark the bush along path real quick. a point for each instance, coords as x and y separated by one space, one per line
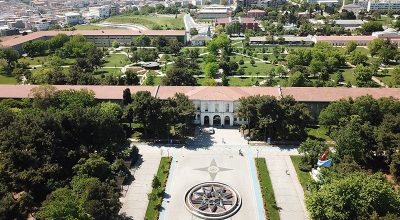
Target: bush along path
159 183
271 209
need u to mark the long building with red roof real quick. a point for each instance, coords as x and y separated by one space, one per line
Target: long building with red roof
217 105
102 38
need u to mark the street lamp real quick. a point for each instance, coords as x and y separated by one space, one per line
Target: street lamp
257 152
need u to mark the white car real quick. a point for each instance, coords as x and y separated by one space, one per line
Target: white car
209 130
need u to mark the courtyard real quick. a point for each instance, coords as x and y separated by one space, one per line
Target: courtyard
214 158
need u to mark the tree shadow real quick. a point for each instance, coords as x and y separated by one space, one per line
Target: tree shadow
124 217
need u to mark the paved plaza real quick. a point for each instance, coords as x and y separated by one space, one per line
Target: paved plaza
215 157
134 197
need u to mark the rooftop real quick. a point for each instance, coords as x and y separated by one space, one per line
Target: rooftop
303 94
107 32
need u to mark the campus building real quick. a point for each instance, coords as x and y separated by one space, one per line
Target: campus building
73 18
216 105
383 5
102 38
244 23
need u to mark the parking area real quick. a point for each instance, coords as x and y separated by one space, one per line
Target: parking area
222 137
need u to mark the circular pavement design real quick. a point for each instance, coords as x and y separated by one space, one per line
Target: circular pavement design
213 200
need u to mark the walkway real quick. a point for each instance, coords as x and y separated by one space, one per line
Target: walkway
287 189
134 199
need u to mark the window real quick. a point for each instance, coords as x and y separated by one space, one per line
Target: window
206 107
234 119
216 107
227 108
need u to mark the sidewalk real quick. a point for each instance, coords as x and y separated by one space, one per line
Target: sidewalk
134 198
287 189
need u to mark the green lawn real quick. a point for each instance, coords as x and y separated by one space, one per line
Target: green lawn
156 195
92 27
153 22
318 133
267 191
34 61
304 177
349 76
109 71
116 60
262 68
8 80
235 81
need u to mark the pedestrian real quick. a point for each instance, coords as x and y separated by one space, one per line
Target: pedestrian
287 172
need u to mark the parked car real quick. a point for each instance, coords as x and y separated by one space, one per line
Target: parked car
209 130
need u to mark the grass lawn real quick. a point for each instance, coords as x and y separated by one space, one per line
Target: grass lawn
262 68
8 80
318 133
109 71
304 177
267 191
151 22
92 27
349 76
34 60
156 195
236 81
116 60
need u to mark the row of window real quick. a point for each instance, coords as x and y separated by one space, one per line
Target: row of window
216 108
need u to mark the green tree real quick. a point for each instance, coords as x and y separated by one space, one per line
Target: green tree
297 79
354 197
395 166
126 97
211 70
350 47
356 57
363 76
115 44
62 203
354 139
396 76
179 77
111 110
94 166
131 78
143 41
35 48
312 150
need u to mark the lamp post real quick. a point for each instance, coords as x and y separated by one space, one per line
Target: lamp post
257 152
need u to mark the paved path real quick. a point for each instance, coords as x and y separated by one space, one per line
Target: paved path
135 200
287 189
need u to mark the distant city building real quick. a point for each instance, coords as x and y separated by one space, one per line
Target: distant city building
18 23
6 31
256 13
41 25
245 23
327 2
73 18
100 12
213 12
199 40
383 5
285 39
260 3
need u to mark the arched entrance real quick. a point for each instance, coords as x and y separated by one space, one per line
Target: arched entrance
227 121
206 120
217 120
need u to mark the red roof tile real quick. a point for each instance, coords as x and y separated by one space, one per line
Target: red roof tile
218 93
108 32
329 94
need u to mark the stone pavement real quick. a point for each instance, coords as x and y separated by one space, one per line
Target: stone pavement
134 197
288 192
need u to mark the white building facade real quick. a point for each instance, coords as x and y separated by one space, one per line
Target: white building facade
217 113
73 18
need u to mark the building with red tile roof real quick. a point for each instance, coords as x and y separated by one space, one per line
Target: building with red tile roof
102 38
245 23
216 105
256 13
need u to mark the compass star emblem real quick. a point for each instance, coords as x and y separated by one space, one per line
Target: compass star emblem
212 198
213 169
